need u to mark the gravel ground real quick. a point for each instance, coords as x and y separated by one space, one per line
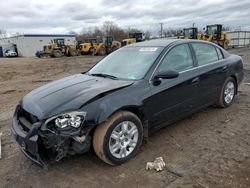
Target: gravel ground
208 149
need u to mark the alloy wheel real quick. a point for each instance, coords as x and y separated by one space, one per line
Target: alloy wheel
123 139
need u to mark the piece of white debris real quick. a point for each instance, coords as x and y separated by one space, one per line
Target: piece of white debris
0 146
158 164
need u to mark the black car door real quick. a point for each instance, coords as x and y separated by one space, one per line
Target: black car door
212 68
172 98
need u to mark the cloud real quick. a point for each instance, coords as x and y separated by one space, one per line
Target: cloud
62 16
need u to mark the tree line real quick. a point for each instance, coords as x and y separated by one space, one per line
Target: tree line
108 28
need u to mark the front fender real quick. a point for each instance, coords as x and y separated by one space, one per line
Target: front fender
99 112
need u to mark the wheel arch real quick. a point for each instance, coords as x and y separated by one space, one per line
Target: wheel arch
139 113
131 108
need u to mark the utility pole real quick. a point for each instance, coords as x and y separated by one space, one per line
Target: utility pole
161 29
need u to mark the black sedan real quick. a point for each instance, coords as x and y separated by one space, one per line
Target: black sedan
127 95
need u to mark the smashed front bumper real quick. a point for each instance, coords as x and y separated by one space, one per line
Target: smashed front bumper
43 148
28 143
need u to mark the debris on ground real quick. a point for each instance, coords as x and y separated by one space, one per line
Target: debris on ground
227 119
0 146
158 164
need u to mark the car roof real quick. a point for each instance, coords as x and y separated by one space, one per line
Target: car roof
155 42
164 42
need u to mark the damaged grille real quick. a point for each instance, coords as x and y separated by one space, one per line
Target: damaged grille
25 119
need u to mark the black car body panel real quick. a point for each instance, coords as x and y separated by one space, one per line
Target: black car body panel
156 104
67 94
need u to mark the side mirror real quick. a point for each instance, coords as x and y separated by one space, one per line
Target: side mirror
169 74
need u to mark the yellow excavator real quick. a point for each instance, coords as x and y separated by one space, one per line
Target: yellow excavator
57 48
215 34
133 38
92 47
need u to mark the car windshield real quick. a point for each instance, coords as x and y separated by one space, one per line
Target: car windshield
127 63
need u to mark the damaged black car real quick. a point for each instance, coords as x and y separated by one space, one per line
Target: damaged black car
123 98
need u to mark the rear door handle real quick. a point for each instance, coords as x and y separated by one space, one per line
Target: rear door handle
195 80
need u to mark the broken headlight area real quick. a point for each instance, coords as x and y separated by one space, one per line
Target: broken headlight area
64 135
71 119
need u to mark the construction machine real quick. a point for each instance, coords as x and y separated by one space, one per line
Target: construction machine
215 34
189 33
57 48
92 47
108 46
133 38
89 47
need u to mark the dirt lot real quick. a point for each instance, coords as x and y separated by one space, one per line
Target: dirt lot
209 149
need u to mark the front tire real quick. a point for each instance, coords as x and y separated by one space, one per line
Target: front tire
227 93
57 53
118 139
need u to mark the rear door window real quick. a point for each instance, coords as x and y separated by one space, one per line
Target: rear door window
205 53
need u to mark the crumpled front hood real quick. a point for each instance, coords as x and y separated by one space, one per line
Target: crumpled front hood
68 94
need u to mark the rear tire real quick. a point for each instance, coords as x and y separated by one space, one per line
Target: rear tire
227 93
118 139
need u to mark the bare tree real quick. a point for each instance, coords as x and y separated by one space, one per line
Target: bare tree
170 32
147 35
110 28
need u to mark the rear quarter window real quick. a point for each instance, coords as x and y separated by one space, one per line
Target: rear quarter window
205 53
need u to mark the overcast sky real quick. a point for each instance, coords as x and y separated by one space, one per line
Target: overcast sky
62 16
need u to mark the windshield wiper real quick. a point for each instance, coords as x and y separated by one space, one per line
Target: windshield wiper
104 75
